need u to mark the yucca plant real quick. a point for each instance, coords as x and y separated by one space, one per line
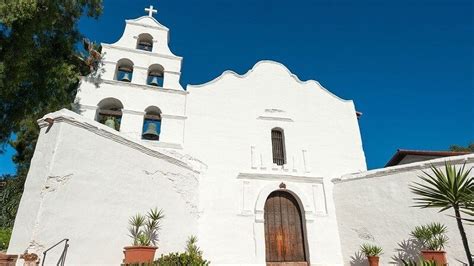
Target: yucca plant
445 190
144 229
431 236
371 250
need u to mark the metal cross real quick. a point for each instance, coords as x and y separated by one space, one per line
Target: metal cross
151 11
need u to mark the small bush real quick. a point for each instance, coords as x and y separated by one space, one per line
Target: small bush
192 256
5 234
181 259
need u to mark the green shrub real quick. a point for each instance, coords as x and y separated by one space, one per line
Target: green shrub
181 259
5 234
192 256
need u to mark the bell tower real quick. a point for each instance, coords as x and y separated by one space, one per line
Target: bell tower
138 93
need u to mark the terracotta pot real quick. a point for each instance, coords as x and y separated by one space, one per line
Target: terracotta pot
373 260
139 254
438 256
8 260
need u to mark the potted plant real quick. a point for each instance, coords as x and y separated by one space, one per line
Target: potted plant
144 232
372 252
432 238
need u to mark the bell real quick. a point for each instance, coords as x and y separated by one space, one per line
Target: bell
126 77
110 122
151 132
154 81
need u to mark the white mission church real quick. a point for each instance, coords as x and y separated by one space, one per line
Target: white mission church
235 161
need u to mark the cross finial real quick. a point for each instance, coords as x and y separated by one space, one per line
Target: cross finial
151 11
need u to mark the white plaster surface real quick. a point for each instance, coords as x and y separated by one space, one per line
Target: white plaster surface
233 113
86 181
375 207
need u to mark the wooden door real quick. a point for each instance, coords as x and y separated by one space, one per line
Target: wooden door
284 239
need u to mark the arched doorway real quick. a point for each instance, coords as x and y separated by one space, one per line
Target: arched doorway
284 234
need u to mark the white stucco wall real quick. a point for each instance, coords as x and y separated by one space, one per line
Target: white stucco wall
375 207
86 180
228 127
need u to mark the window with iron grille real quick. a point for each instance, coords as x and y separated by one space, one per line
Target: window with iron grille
278 146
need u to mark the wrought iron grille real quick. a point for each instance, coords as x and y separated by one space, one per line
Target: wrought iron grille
278 147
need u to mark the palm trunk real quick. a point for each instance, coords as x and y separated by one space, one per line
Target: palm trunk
463 236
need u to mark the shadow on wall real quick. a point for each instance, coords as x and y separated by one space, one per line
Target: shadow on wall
359 259
408 250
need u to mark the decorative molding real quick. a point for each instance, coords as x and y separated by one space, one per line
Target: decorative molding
161 144
306 204
178 117
73 119
85 106
137 51
137 22
461 159
143 86
274 118
172 72
133 112
146 26
280 177
230 72
143 67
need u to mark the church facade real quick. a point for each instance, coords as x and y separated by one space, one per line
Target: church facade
258 166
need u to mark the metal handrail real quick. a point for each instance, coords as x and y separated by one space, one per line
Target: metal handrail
62 258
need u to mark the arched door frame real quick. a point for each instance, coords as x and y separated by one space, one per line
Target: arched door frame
306 208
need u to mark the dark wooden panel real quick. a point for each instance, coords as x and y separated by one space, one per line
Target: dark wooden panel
284 239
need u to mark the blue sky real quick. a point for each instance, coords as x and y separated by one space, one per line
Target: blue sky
408 65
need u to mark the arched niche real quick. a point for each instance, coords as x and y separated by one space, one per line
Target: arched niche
145 42
156 75
152 124
124 70
109 113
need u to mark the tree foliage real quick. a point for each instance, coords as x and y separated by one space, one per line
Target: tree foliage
468 148
39 73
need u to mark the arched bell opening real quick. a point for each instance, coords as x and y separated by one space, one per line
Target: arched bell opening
155 75
152 124
124 70
285 240
145 42
109 113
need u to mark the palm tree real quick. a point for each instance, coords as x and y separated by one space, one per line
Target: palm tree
445 190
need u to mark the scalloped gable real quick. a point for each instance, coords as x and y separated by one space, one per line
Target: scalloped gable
147 21
269 68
